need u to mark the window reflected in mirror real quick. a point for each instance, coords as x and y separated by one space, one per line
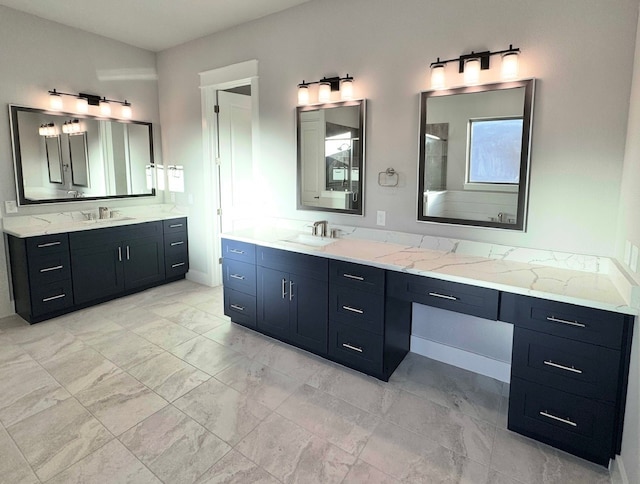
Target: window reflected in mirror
474 155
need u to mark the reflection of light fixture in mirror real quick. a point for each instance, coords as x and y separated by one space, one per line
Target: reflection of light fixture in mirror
433 137
437 75
510 65
346 88
471 64
472 72
55 100
105 107
126 110
326 86
48 130
84 100
303 93
324 92
72 127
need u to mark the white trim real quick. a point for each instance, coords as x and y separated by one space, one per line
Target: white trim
617 464
500 370
228 77
199 277
229 74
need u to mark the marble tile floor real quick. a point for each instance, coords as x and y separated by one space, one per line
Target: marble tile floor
161 387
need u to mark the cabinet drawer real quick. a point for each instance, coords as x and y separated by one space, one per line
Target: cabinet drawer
356 348
51 297
461 298
357 276
240 307
47 244
49 268
572 366
360 309
239 276
283 260
176 244
174 225
578 425
242 251
176 265
595 326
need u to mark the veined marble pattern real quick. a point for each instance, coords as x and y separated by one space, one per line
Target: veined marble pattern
124 402
565 277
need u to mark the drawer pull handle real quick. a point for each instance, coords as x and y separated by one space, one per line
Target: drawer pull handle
291 290
175 226
443 296
237 308
562 367
236 251
119 254
354 348
128 253
353 310
553 319
351 276
173 266
47 299
563 420
237 276
173 244
284 288
48 269
49 244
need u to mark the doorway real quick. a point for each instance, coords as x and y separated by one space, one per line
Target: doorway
230 134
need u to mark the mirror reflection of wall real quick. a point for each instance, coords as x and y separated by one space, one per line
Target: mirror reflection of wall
54 158
100 158
474 154
330 157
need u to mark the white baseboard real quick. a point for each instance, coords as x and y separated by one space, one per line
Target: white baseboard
499 370
200 278
617 472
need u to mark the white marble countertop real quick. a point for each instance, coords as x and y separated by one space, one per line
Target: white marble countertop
596 289
57 223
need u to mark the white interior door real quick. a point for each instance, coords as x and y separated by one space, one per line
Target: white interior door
235 158
312 134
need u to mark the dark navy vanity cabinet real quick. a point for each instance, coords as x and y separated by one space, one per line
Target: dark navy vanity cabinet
59 273
569 366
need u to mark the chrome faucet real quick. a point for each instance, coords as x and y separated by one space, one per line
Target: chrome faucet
320 225
103 212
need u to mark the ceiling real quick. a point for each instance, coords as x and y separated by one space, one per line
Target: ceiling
151 24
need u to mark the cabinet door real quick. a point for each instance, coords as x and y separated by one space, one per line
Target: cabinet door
144 261
309 299
273 302
97 272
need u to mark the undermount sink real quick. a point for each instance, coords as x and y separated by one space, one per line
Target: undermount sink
311 240
107 220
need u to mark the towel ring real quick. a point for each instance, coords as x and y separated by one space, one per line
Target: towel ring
390 173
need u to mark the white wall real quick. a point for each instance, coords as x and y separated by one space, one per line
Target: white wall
580 50
37 55
629 230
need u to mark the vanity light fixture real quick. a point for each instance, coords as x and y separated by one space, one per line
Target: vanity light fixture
84 100
326 86
471 64
72 127
48 130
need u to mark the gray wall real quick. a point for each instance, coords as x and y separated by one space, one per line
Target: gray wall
37 55
387 46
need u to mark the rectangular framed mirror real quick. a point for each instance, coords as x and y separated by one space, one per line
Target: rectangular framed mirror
100 158
54 159
474 155
331 141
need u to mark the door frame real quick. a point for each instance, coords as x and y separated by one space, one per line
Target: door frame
235 75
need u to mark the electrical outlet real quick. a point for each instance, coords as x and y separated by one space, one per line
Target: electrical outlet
10 206
627 253
634 258
381 218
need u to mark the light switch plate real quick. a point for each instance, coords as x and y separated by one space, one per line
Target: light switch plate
627 253
634 258
10 206
381 218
